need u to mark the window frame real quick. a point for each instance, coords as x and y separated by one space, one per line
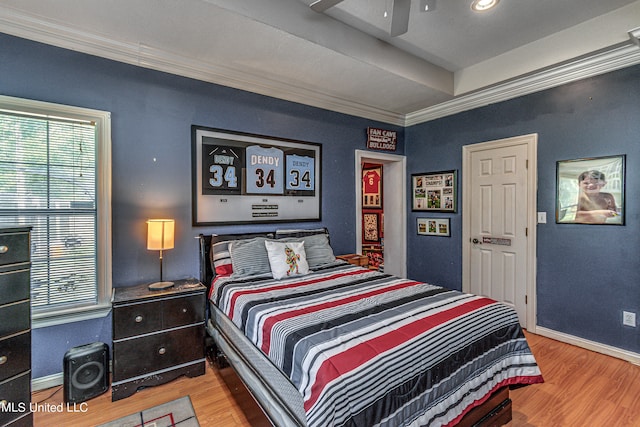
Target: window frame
102 120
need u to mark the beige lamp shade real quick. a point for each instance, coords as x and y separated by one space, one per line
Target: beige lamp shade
160 234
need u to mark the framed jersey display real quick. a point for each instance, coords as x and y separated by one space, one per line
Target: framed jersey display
241 178
371 188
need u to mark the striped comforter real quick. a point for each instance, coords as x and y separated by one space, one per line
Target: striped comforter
365 348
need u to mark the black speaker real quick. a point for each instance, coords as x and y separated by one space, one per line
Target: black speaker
86 373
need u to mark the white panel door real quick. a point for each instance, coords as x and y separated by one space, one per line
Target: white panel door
498 225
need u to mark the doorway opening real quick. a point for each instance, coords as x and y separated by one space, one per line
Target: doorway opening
393 204
373 215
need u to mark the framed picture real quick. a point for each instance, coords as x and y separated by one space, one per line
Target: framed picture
240 178
591 191
434 227
370 229
372 188
434 192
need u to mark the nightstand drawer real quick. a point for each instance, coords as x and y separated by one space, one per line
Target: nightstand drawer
13 358
14 248
141 318
14 286
182 311
136 319
14 318
15 394
143 355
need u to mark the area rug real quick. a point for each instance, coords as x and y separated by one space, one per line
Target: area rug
178 413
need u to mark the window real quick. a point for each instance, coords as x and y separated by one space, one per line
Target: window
56 163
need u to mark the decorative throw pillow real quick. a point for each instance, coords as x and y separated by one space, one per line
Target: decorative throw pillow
221 258
317 248
219 255
285 233
287 259
249 257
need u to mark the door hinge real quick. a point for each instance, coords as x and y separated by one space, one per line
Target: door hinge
526 299
526 164
526 231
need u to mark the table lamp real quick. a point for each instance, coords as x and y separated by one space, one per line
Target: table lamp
159 238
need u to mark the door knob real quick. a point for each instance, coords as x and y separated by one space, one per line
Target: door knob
475 241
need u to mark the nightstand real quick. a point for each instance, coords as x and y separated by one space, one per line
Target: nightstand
355 259
157 335
15 327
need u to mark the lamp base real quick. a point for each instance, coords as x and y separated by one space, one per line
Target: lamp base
160 286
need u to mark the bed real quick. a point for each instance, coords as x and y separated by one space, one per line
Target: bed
329 343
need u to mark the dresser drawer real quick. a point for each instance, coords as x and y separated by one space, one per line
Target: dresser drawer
146 354
14 286
135 319
182 311
14 318
14 359
15 394
14 248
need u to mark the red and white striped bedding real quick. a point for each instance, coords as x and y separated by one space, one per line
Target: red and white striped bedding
365 348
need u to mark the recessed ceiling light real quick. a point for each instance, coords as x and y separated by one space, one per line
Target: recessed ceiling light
427 5
483 5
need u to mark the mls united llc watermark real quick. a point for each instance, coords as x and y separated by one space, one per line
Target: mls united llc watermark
22 407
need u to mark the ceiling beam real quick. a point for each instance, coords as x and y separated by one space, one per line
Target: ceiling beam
322 5
400 17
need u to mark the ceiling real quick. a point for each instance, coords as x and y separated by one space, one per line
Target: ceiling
344 59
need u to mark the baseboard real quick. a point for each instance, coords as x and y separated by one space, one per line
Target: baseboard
49 381
619 353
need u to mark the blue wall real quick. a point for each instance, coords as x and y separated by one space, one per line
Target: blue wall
586 274
152 114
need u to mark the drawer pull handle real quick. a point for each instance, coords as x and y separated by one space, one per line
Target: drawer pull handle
4 249
162 350
3 360
184 310
138 319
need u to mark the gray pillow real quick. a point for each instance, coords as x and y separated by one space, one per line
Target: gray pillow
249 257
317 248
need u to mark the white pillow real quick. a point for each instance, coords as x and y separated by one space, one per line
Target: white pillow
287 259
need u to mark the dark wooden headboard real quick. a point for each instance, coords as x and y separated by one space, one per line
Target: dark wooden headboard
206 270
206 240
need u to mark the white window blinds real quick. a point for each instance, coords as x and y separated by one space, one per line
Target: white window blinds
49 181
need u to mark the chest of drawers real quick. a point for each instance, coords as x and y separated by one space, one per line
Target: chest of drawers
157 335
15 327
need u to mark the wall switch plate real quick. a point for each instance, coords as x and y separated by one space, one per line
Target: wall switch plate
629 318
542 217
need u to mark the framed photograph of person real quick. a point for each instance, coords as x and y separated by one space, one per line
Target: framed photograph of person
591 191
434 191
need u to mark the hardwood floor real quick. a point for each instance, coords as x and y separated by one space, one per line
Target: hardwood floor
581 388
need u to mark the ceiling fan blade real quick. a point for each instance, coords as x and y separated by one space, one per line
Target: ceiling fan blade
322 5
400 17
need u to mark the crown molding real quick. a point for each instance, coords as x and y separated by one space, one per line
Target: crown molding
612 59
33 28
57 34
634 35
